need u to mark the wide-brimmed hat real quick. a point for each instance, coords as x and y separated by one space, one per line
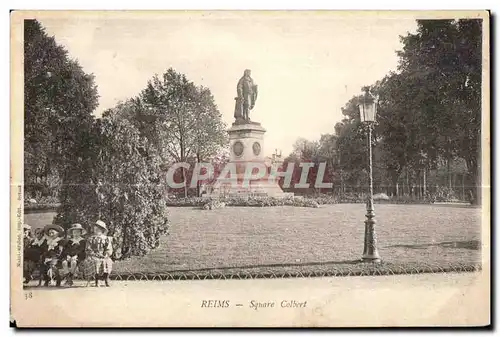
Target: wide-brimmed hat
75 227
101 224
57 228
26 226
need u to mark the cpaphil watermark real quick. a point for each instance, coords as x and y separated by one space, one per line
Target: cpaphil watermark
242 174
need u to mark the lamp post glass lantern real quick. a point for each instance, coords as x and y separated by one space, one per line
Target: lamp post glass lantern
368 109
368 112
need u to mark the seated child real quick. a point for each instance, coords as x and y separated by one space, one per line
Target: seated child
73 252
33 254
26 242
99 249
51 253
26 235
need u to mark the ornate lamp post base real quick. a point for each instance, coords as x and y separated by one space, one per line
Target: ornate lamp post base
370 251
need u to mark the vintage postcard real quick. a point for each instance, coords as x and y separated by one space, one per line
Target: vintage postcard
250 168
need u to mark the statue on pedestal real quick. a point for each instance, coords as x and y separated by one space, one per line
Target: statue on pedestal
246 139
247 95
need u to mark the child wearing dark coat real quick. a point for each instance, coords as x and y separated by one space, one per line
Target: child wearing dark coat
73 252
26 235
26 243
33 254
51 252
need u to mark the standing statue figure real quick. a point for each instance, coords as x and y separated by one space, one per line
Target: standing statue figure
247 95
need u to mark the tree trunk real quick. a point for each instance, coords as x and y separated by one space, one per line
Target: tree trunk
425 182
342 187
198 160
463 187
475 180
449 173
184 180
394 176
407 183
418 186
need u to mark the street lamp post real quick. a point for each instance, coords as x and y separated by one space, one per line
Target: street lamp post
368 111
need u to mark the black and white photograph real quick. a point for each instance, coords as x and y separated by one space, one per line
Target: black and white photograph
250 168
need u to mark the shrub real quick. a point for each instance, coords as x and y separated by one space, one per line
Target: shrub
209 204
187 202
214 204
306 202
353 198
117 182
403 199
325 199
381 196
443 194
41 200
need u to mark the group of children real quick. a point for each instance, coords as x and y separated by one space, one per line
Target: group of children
57 257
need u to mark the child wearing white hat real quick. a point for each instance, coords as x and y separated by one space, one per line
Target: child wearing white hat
74 252
99 249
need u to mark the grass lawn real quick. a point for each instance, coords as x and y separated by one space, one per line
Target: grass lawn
247 237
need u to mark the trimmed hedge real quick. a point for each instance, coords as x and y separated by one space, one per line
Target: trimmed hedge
187 202
208 203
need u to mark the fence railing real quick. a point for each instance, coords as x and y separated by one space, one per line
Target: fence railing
277 272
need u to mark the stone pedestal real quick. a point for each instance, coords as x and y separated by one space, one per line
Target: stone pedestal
246 141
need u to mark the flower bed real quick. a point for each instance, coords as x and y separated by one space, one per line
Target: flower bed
258 202
297 201
187 202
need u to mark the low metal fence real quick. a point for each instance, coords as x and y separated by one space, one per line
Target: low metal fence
279 272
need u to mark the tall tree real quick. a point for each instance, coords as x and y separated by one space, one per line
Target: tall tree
327 154
210 134
107 170
445 57
59 98
401 126
305 151
187 121
352 147
122 187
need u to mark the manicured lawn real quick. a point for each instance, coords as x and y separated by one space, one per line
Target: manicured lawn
332 234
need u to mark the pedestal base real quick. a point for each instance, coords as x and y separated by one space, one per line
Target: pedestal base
247 147
256 188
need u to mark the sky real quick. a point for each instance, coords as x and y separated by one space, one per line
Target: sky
307 64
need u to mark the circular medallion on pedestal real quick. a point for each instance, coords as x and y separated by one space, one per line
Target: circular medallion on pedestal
238 148
256 148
